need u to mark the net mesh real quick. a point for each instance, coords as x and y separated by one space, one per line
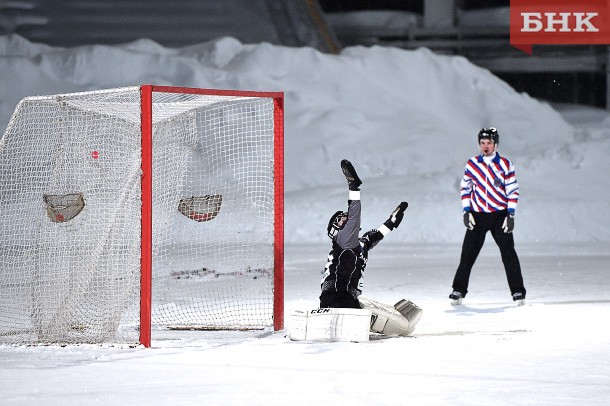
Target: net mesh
79 280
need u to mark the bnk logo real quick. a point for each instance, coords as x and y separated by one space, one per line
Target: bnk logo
559 22
562 22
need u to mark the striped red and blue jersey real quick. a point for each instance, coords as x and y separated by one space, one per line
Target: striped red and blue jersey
487 188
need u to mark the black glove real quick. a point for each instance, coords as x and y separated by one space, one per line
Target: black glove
509 223
370 239
469 220
396 216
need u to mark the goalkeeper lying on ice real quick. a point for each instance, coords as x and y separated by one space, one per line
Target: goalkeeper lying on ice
342 281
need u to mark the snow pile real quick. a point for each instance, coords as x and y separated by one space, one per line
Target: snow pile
407 119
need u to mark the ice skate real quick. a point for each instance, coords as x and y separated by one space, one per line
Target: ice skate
456 297
519 298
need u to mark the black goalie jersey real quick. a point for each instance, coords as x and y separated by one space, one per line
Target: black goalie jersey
342 281
343 273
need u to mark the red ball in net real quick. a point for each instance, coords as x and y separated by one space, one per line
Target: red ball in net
95 154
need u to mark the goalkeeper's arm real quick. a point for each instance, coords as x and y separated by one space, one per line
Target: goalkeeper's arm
372 237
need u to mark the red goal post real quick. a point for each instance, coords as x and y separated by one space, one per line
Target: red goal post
146 261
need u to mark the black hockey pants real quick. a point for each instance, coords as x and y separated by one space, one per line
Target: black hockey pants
471 247
339 299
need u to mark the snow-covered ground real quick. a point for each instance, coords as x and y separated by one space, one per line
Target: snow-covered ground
408 121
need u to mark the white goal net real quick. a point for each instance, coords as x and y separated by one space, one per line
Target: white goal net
79 232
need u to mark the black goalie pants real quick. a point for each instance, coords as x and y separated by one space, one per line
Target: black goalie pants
471 247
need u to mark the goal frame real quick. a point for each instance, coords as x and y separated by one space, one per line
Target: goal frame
146 98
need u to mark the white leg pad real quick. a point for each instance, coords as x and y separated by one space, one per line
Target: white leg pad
336 324
387 320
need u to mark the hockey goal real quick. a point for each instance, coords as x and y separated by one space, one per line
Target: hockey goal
128 210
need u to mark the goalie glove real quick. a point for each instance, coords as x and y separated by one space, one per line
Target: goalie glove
469 220
370 239
396 216
353 181
509 223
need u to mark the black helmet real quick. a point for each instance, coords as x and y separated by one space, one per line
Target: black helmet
489 133
336 223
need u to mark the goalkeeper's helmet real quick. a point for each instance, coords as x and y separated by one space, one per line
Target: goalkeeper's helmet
489 133
336 223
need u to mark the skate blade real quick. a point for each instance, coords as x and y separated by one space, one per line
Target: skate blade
520 302
456 301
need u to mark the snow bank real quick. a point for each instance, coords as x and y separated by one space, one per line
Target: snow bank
407 119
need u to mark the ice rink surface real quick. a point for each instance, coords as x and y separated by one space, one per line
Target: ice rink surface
554 350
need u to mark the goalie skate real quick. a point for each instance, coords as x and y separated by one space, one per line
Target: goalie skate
411 311
387 320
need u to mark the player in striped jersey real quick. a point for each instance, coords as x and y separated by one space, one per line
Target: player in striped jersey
490 193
